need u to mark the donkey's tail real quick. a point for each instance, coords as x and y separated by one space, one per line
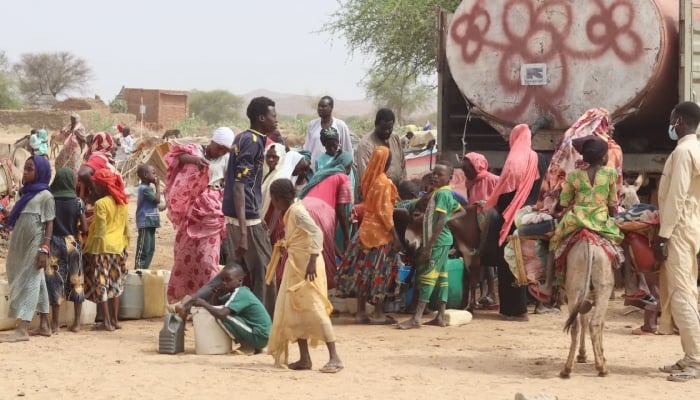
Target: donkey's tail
583 292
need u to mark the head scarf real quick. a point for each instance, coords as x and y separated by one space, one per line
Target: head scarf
291 159
337 165
223 136
63 185
42 134
519 175
101 142
306 154
42 169
328 134
273 176
480 164
592 148
375 168
112 182
76 116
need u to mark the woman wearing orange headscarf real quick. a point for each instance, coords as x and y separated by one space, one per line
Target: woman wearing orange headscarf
518 186
105 247
369 262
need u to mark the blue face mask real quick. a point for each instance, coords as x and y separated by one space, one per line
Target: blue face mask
672 133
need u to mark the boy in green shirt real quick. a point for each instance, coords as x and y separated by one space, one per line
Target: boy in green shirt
437 240
243 317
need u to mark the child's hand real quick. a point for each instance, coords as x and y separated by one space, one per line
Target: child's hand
311 270
200 302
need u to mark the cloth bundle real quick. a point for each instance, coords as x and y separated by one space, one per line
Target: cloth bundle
526 258
638 217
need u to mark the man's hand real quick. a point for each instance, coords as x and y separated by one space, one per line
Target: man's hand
661 249
311 270
242 249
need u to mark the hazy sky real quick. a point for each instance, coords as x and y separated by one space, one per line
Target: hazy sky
203 44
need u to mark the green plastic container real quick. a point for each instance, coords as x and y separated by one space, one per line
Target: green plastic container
455 282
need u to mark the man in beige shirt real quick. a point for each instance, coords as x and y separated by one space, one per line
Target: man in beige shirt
678 241
381 136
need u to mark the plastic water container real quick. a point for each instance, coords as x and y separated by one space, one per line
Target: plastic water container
209 336
87 314
6 323
403 272
457 317
339 304
171 339
131 300
155 288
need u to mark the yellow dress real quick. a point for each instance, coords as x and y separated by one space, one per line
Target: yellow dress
589 206
302 309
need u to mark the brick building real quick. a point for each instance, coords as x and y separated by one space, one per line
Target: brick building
163 107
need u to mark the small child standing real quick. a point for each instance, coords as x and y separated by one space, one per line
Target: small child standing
147 215
437 240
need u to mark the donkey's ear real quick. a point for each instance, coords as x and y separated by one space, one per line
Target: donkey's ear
639 181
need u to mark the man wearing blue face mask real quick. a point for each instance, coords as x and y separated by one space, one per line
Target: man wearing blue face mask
678 240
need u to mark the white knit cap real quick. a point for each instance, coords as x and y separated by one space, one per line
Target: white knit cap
223 136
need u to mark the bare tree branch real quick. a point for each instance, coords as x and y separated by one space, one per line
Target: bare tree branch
54 74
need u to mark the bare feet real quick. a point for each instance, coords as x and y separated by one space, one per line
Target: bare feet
46 332
437 321
103 327
301 365
410 323
516 318
15 337
116 325
75 328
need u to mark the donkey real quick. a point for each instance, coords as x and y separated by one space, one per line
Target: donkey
589 283
628 193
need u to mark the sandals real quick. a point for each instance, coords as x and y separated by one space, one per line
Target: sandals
685 376
672 369
331 368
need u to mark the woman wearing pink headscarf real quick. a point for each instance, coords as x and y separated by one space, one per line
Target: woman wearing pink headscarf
518 186
480 182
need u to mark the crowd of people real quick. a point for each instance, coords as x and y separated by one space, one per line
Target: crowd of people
292 226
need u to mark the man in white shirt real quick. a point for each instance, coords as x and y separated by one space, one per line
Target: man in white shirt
313 133
126 147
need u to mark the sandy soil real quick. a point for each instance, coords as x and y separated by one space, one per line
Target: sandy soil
488 359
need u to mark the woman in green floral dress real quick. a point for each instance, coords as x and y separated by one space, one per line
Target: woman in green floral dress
590 194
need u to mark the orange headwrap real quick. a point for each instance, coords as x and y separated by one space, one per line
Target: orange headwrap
113 183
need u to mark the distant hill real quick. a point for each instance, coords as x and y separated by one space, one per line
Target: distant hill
293 104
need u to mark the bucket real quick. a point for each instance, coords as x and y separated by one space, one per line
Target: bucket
404 270
171 339
155 288
131 300
6 323
339 304
209 336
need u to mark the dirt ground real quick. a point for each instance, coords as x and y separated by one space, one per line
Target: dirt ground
487 359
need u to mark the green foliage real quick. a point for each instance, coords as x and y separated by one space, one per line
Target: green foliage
360 125
101 124
191 126
395 33
295 124
8 95
42 74
214 106
398 89
117 106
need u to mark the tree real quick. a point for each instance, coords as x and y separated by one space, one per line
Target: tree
51 74
8 95
399 90
214 106
395 33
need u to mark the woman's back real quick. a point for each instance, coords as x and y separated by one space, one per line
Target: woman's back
579 191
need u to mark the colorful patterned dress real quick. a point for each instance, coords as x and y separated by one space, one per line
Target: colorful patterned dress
589 206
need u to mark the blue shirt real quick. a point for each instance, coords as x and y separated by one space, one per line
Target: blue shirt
147 215
245 166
